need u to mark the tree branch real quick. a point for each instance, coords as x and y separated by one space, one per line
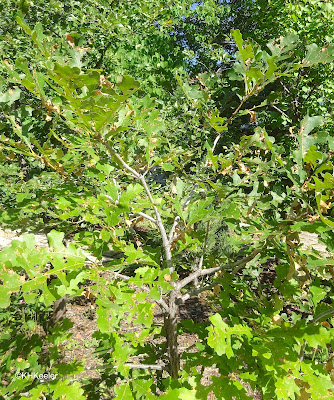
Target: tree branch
120 159
210 271
165 241
172 231
132 366
237 265
194 293
147 217
200 263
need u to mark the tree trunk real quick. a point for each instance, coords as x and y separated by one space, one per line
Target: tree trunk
171 336
59 310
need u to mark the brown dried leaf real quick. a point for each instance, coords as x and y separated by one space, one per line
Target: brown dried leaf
70 40
252 116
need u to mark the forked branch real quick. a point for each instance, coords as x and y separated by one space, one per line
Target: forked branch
210 271
158 220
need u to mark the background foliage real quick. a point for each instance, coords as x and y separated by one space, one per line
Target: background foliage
211 121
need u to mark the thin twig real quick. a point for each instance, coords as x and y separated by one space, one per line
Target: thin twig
310 93
321 315
243 101
138 213
107 196
193 191
200 263
302 351
314 321
280 111
284 86
235 112
118 195
117 275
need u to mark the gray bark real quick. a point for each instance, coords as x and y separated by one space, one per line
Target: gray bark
59 310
